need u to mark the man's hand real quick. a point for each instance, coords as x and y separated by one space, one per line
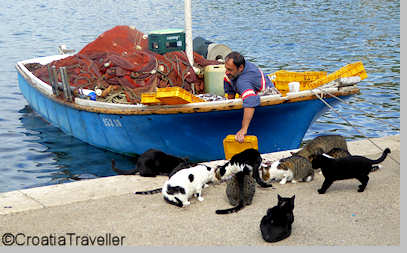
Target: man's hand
240 135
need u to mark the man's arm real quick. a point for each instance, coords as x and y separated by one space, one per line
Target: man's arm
248 113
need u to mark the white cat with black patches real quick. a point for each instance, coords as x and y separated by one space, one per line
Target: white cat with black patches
184 184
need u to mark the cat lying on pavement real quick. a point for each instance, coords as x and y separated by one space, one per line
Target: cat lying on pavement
151 163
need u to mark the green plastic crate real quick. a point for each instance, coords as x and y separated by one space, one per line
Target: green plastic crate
168 40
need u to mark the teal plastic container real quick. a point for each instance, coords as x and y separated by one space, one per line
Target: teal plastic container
168 40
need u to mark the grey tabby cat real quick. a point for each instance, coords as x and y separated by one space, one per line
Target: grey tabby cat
233 190
294 168
322 144
338 153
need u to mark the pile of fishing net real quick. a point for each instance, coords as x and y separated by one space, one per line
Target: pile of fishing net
120 64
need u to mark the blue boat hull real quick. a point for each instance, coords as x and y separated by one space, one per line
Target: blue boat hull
197 135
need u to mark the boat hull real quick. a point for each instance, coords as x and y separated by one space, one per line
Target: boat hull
193 133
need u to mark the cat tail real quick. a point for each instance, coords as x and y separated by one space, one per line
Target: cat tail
123 172
381 159
177 203
231 210
149 192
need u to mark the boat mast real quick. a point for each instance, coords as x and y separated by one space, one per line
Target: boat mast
188 31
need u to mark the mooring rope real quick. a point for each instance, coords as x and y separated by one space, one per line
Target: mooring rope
360 110
330 107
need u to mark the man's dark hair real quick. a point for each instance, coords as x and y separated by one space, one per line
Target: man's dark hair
237 58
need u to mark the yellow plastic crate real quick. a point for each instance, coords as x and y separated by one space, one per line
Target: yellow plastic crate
232 147
353 69
149 98
282 78
196 99
175 96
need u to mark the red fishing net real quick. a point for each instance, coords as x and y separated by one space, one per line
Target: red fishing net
119 61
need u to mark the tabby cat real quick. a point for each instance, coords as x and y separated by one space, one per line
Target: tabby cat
338 153
233 190
294 168
321 144
276 224
244 163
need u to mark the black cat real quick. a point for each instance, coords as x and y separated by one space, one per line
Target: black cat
152 163
276 224
244 163
349 167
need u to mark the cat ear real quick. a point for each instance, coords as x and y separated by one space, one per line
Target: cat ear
279 197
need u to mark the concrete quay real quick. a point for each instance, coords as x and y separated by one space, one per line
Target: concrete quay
105 211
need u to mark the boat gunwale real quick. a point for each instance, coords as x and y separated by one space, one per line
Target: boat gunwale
125 109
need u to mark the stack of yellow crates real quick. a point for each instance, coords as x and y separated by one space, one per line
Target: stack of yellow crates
282 78
311 79
169 96
353 69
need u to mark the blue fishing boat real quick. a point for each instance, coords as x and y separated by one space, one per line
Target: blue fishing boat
194 130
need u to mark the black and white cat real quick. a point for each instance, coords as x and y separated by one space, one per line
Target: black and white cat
247 161
276 224
244 163
151 163
184 184
349 167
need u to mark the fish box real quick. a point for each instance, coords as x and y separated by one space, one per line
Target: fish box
149 98
175 96
353 69
168 40
232 147
282 78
